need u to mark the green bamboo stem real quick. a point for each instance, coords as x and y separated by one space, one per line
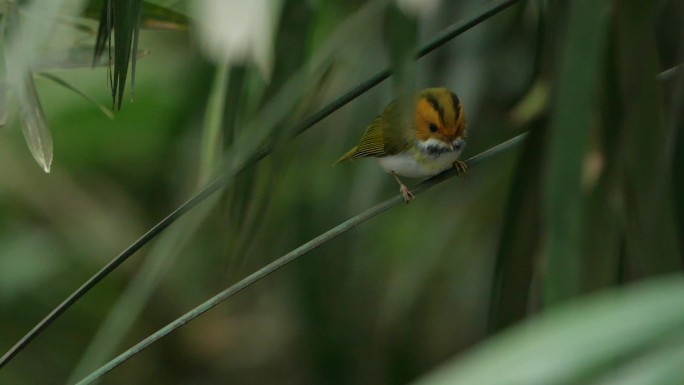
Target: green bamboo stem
291 256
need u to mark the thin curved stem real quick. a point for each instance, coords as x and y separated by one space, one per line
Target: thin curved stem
456 29
291 256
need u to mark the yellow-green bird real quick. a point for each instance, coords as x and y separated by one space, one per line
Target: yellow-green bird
419 144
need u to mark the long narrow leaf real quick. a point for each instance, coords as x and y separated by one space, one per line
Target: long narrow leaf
33 124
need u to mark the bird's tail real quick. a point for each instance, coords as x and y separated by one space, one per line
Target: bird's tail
348 155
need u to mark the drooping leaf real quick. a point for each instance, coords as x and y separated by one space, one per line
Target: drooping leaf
33 124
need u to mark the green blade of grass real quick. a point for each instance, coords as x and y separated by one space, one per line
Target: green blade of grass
573 114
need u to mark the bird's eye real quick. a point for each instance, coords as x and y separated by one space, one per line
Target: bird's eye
433 127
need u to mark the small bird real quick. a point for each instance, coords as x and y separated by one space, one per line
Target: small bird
416 145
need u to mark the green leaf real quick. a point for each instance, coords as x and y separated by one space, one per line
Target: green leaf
573 114
570 342
33 124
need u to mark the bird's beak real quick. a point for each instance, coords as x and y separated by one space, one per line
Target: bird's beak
451 146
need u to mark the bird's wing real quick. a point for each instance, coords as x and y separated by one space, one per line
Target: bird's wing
377 142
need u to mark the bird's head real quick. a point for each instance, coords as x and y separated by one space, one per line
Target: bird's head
440 122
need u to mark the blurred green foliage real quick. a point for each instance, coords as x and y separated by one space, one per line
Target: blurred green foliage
591 202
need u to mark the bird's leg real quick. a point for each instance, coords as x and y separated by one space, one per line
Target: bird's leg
461 167
405 192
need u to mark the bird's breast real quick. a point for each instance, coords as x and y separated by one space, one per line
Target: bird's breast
416 164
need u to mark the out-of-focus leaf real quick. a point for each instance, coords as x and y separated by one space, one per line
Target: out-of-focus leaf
533 104
573 114
604 229
25 38
519 244
572 341
81 57
669 74
651 233
153 16
78 91
33 124
401 36
664 366
212 138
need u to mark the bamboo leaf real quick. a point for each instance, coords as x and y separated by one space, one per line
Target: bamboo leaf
573 113
33 124
572 341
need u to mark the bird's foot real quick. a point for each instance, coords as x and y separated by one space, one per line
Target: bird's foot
461 168
406 193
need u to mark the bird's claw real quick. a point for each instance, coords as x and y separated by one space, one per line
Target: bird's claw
461 168
406 193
